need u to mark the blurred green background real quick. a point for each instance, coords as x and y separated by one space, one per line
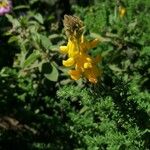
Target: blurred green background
41 108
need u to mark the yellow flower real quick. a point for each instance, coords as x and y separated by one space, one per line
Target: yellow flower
76 48
86 66
92 73
78 58
122 11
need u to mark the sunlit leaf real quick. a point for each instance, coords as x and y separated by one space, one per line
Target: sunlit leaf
31 59
45 42
39 18
53 75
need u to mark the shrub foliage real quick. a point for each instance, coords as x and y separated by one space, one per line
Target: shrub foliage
41 108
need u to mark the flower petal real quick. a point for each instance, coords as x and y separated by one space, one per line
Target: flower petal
75 74
69 62
63 49
87 65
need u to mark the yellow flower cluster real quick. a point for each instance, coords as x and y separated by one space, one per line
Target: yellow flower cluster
78 58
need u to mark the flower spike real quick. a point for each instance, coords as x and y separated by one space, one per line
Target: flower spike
77 51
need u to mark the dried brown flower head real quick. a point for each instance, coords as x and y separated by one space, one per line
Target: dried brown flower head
73 26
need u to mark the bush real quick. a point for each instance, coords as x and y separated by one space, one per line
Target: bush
42 108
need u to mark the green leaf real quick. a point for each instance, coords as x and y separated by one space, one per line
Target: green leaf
21 7
33 1
145 51
13 39
14 22
31 59
45 42
39 18
53 75
114 68
83 110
